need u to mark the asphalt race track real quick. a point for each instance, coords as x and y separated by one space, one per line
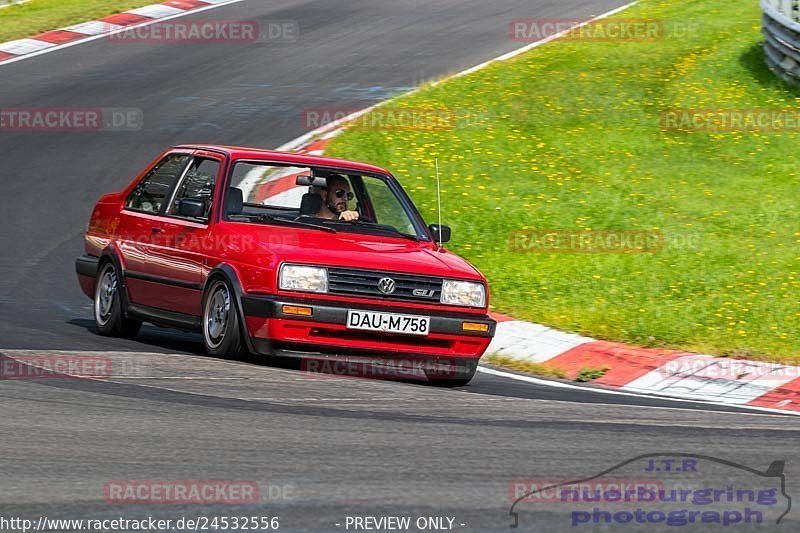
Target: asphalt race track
321 448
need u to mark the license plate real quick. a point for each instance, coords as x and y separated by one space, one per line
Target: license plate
388 322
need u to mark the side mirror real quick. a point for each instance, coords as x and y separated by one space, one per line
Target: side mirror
440 233
190 207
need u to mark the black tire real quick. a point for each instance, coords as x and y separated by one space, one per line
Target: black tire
452 374
109 318
222 326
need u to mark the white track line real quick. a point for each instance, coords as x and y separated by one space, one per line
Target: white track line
562 385
334 128
9 3
124 28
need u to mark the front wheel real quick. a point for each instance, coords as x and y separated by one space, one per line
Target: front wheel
108 316
222 332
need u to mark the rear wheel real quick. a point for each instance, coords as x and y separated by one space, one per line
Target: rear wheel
222 331
108 316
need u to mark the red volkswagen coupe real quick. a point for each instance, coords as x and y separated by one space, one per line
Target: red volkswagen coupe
274 253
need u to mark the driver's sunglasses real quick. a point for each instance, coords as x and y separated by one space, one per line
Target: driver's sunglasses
340 193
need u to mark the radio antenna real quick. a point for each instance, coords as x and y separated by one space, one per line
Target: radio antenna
438 199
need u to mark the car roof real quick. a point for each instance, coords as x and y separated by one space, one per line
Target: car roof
238 152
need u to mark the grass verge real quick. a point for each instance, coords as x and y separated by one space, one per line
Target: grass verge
590 374
37 16
569 137
540 369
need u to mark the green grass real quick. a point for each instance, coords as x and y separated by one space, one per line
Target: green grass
38 16
529 367
568 137
590 374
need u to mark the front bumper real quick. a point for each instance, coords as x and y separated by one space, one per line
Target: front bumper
325 331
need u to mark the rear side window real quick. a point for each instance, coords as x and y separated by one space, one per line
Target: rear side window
151 193
197 184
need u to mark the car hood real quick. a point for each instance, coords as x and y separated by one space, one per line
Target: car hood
357 250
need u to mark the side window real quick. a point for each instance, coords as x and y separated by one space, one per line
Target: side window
152 191
197 184
388 210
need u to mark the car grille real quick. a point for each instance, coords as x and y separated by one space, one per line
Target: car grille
365 283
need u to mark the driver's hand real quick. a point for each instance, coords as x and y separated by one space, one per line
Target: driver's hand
348 216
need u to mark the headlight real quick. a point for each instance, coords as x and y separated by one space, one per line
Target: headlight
466 293
303 278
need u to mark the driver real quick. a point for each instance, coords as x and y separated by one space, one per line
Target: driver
334 200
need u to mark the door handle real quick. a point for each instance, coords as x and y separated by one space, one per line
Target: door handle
156 229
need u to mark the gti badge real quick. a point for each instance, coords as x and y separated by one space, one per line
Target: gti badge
386 285
426 293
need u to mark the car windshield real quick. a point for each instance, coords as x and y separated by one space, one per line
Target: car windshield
325 199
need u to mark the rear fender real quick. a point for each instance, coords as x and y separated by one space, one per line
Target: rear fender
112 254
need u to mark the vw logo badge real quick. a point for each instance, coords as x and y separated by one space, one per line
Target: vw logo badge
386 285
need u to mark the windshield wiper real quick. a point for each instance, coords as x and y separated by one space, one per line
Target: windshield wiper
262 217
408 236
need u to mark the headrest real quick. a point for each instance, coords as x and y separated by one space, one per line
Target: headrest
310 204
234 202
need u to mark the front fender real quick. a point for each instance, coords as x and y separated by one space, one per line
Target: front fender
228 273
